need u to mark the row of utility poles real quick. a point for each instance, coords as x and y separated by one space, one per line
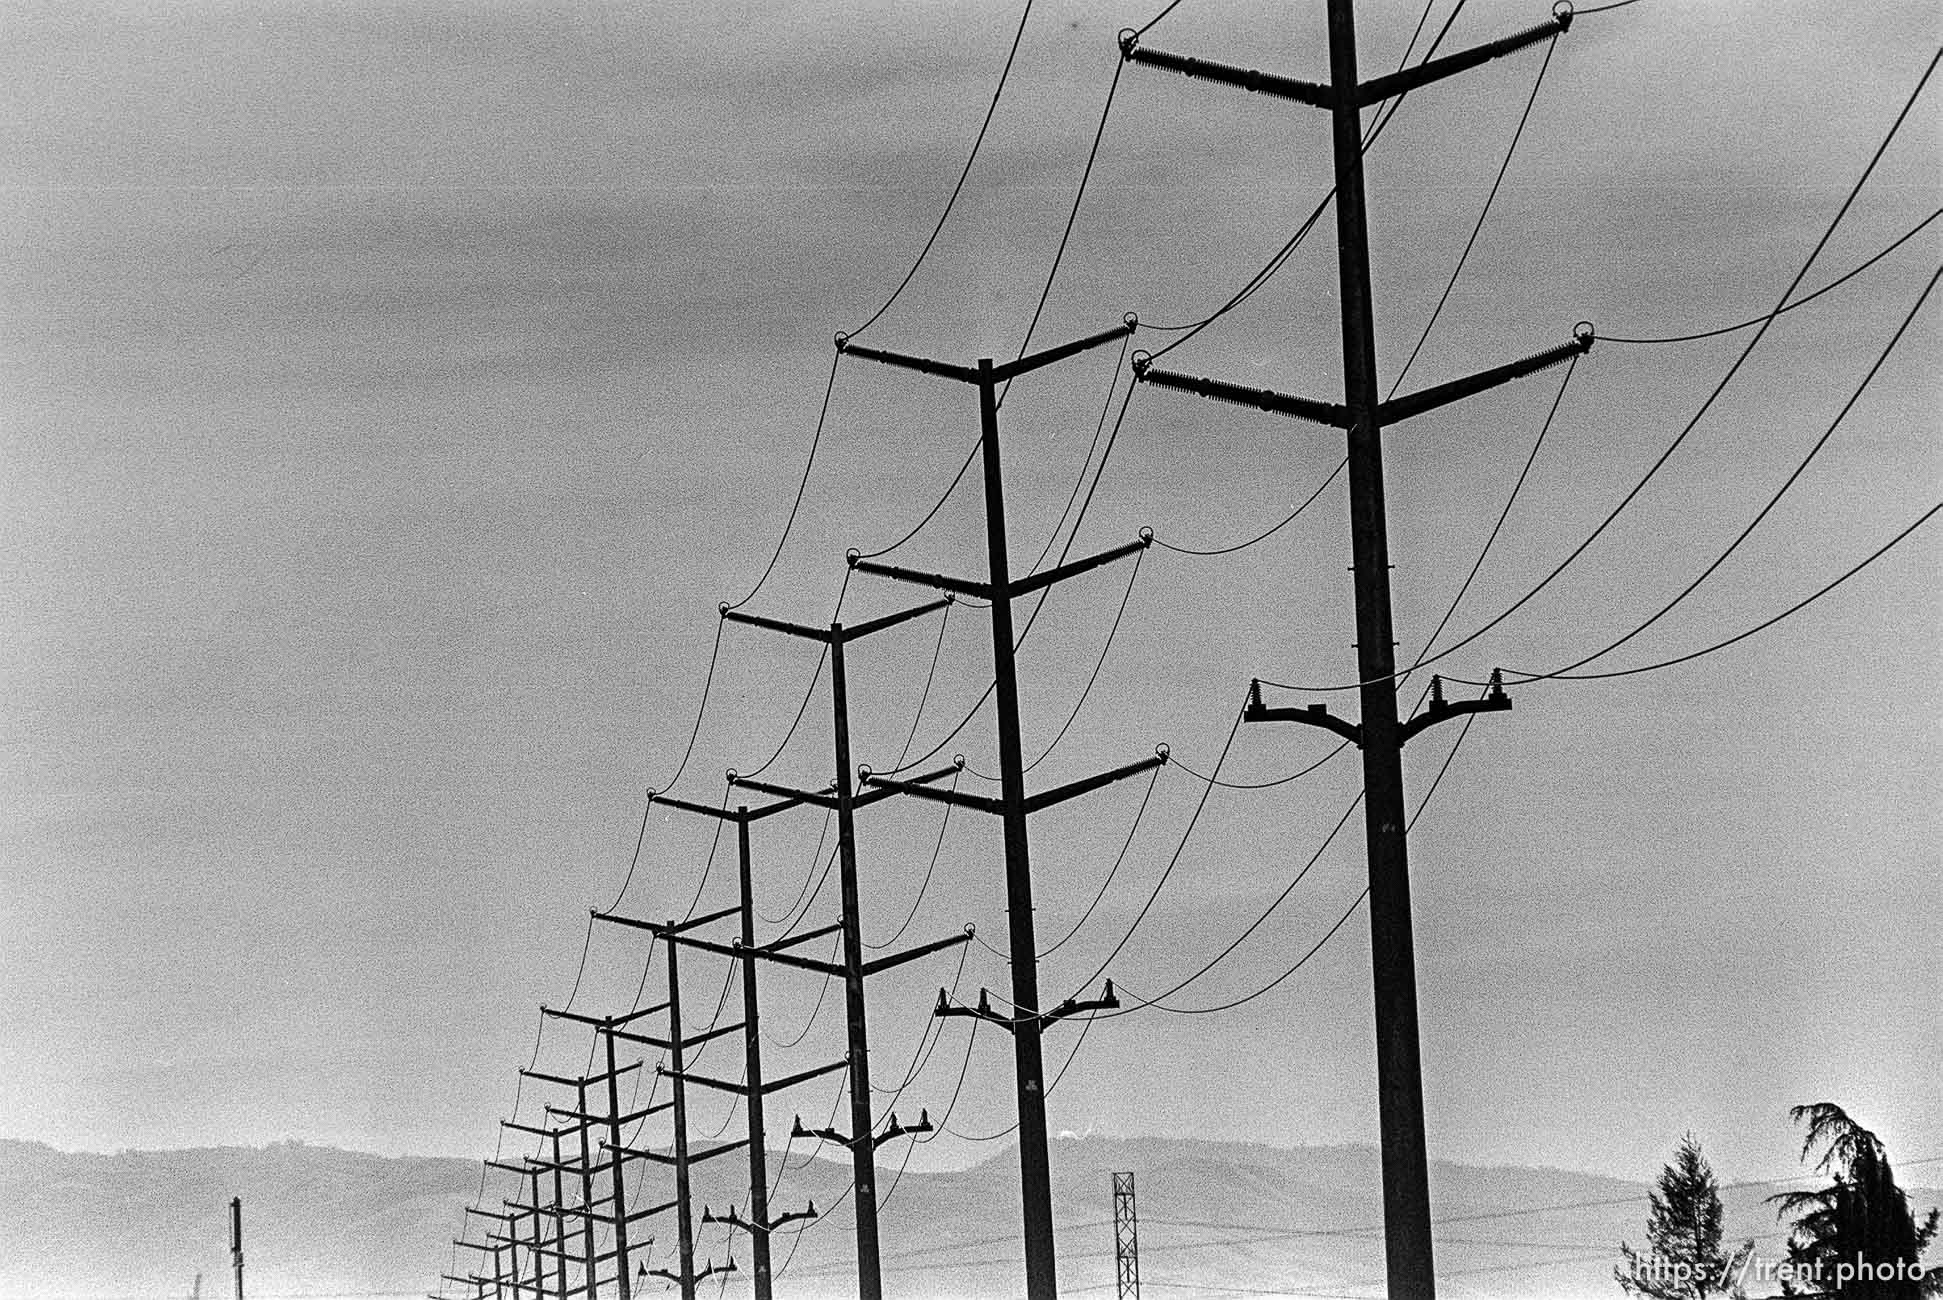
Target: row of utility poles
547 1244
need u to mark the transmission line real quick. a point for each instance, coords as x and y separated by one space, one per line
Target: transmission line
1772 501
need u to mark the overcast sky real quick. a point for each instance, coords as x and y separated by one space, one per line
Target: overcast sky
392 392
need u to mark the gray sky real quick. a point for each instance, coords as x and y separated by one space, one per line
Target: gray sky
392 392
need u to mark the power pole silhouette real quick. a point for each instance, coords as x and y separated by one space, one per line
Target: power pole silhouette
557 1209
519 1211
611 1118
844 800
584 1167
236 1241
1035 1171
1126 1238
1363 414
753 1088
685 1274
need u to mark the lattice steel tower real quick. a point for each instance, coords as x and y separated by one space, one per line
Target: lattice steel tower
1126 1238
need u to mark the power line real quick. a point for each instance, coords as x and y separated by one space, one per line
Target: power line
1772 501
1802 301
958 188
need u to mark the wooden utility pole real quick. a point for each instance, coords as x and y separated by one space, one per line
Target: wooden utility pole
236 1241
753 1088
1013 805
1363 414
844 800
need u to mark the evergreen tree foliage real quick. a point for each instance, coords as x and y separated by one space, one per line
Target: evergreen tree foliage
1683 1259
1856 1238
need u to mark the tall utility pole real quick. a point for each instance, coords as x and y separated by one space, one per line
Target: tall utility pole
753 1088
1363 414
556 1209
584 1167
1035 1170
612 1119
1126 1238
862 1139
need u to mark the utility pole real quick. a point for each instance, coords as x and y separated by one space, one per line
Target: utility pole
557 1210
616 1152
1363 414
844 800
236 1241
863 1160
1013 805
753 1088
1126 1238
682 1159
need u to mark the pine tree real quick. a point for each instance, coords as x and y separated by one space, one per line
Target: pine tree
1855 1238
1683 1259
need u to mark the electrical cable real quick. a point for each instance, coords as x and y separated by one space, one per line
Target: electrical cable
1666 454
930 514
1772 501
1156 1002
809 692
1298 774
1098 664
1172 862
1086 174
816 856
802 485
1087 460
1802 301
944 822
924 696
1531 458
1259 537
944 216
707 681
1119 858
1795 608
1458 270
1175 4
816 1010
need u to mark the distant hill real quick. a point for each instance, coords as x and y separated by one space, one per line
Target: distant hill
1260 1220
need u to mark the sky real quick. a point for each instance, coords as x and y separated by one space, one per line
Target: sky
393 392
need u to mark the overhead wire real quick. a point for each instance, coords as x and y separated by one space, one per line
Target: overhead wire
1762 626
1774 500
802 485
1072 216
1802 301
1551 47
1098 664
944 824
992 109
1132 830
1497 527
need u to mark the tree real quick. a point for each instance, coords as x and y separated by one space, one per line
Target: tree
1855 1238
1683 1260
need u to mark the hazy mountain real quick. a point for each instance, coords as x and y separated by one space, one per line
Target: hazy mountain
1255 1219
